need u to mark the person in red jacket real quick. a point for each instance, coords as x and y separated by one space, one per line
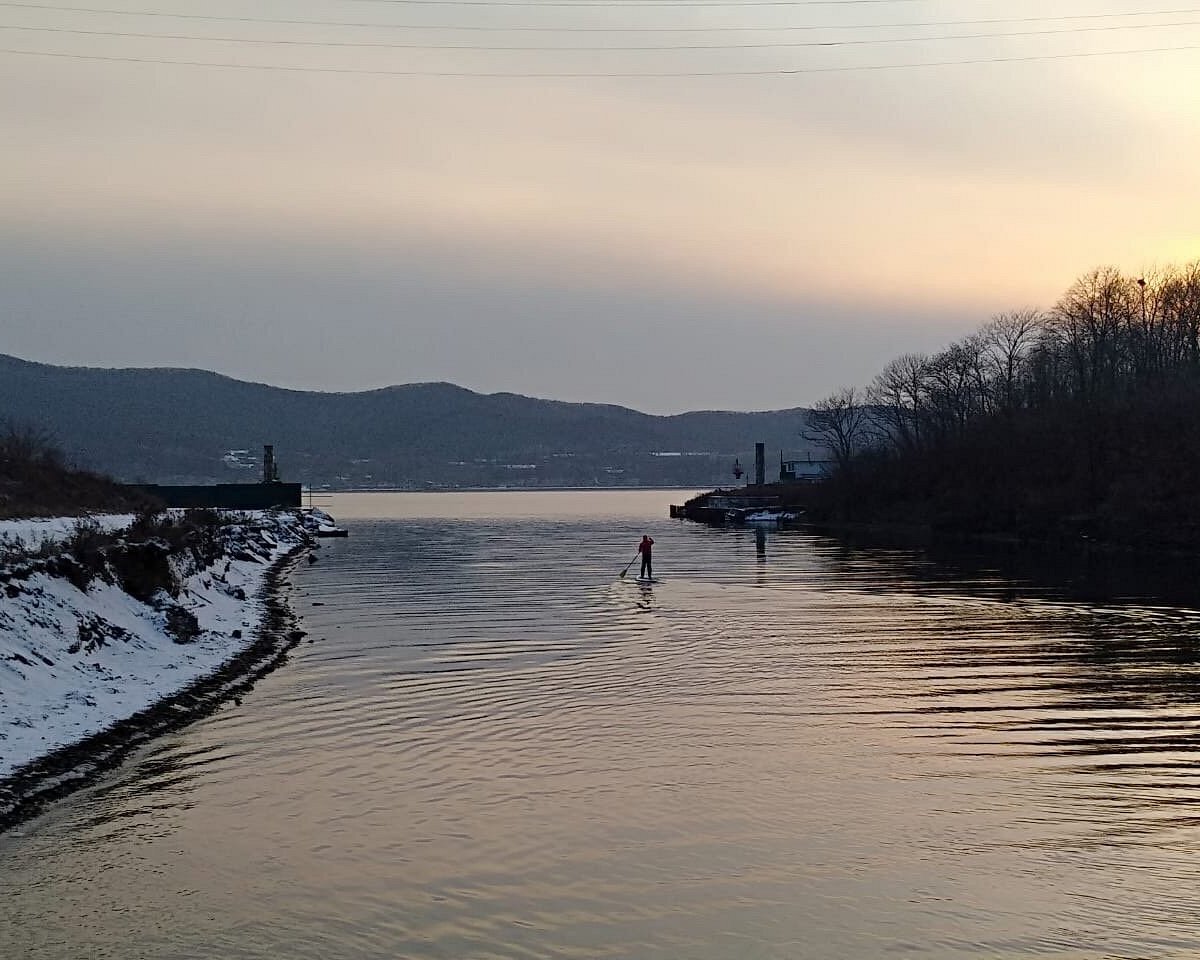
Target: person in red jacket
644 549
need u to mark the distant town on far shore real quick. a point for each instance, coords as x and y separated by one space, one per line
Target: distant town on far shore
192 426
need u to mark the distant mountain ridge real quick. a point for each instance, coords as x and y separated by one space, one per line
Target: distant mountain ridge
181 425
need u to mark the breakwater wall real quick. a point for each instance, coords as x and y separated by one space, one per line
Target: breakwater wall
224 496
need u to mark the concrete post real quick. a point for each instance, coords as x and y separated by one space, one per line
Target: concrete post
760 463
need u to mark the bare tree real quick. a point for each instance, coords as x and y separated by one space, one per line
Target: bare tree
1008 341
897 397
840 424
957 387
1092 320
1179 300
22 445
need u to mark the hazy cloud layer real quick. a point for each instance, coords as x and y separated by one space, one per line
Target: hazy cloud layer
343 318
700 242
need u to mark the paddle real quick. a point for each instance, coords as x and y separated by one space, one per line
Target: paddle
630 564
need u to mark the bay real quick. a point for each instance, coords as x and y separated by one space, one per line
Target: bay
789 747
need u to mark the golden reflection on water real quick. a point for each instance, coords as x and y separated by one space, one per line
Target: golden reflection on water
495 747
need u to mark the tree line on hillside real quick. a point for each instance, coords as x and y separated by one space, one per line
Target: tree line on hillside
1076 422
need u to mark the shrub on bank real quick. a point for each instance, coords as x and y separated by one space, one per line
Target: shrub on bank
149 560
37 481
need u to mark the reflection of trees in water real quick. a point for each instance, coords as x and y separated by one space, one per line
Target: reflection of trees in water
163 781
1088 666
1080 576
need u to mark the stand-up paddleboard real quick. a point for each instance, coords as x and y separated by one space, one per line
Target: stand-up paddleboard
646 580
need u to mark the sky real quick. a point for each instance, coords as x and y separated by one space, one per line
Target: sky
768 206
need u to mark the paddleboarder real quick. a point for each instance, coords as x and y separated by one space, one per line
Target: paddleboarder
644 549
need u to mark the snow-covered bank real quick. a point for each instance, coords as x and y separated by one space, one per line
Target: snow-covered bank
81 651
36 532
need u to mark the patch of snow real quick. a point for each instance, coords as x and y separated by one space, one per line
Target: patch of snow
59 685
33 533
770 516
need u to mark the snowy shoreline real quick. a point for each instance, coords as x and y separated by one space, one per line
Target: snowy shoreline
37 531
88 674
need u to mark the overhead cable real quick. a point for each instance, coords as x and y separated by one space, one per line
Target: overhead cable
635 3
212 18
459 74
380 44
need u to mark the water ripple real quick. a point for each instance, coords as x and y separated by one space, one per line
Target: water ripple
495 747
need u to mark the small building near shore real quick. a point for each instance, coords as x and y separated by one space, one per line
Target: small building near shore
806 469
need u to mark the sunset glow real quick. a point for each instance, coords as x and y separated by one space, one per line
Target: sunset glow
947 191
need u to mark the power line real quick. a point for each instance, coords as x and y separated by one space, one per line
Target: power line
455 74
635 3
873 41
543 29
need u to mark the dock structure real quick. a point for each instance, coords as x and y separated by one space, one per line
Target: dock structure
790 497
727 506
230 496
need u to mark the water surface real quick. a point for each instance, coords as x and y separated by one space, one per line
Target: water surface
495 747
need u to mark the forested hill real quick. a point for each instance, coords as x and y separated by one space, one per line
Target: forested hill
1078 425
169 425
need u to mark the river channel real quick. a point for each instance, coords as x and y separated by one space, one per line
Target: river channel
495 747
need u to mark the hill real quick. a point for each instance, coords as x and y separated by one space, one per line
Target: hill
193 426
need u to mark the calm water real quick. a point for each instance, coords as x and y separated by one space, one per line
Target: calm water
787 748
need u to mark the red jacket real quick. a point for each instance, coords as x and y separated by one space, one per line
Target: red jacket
645 545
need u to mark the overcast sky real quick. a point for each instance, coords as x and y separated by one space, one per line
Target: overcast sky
744 240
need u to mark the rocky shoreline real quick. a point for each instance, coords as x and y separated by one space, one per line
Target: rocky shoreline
31 785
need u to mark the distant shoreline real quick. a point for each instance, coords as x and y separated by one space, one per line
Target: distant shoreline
318 493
